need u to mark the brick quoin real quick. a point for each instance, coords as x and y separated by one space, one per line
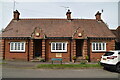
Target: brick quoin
31 53
74 47
43 49
85 49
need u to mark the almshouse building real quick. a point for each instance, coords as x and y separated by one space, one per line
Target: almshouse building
26 39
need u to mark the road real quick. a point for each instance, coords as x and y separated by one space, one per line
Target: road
60 73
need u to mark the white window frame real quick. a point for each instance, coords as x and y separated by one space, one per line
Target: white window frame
61 46
103 48
20 50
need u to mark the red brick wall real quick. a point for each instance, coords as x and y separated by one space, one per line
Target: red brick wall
49 54
96 56
43 49
73 49
46 50
15 55
2 49
31 53
85 49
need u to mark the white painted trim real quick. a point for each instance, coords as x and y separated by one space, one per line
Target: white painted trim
61 47
103 48
17 47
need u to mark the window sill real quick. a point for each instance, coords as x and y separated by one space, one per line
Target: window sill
59 51
98 51
18 51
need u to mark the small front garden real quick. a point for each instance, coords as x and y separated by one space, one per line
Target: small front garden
69 66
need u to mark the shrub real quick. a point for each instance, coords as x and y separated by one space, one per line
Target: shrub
83 62
42 60
74 57
87 57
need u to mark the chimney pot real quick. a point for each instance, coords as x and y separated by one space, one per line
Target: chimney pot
16 15
68 14
98 16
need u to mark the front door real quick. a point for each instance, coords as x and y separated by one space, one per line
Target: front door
37 48
79 45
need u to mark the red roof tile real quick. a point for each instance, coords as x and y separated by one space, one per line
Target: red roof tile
117 33
57 27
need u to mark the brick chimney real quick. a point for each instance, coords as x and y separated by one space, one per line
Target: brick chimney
68 14
16 15
98 16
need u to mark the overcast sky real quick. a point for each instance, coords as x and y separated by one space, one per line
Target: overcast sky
81 9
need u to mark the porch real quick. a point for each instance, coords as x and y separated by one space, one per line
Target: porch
80 49
37 50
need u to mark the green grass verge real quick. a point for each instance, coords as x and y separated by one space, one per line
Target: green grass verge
73 66
3 63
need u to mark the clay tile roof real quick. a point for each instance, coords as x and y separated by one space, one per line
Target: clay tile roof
117 33
57 27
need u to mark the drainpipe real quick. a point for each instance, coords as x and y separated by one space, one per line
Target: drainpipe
28 49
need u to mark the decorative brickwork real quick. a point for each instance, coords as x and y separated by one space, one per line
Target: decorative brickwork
31 53
85 49
74 47
43 49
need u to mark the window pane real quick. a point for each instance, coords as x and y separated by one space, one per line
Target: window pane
100 46
103 46
12 46
56 46
53 46
93 46
60 46
18 46
63 46
96 46
15 46
22 46
108 53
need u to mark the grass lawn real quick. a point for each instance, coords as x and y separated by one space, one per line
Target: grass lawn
72 66
3 63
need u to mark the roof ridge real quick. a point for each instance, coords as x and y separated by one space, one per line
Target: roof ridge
53 19
43 19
